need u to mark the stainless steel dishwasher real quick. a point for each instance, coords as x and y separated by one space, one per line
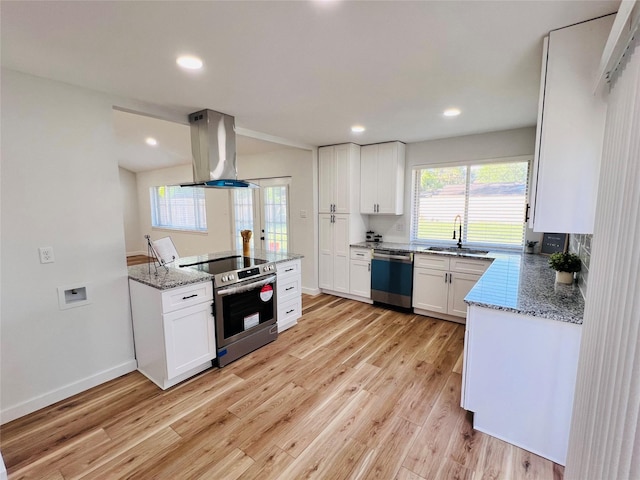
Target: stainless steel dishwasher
392 277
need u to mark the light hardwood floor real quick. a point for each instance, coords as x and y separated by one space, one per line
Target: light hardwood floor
352 392
138 260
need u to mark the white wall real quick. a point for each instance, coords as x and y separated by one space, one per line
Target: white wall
218 236
507 143
133 239
60 188
297 164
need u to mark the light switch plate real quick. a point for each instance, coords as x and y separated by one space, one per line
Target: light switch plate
46 255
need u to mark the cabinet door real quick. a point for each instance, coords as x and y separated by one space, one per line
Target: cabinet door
360 280
326 175
189 337
460 284
368 178
341 180
572 130
387 175
430 289
341 252
325 247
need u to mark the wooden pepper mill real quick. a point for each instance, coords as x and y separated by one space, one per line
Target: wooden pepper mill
246 238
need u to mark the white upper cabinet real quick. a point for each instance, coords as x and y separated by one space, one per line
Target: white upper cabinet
570 130
382 178
338 174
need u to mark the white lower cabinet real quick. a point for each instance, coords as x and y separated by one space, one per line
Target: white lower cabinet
289 293
174 331
360 273
440 284
519 376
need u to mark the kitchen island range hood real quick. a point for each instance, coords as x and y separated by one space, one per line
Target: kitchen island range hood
213 147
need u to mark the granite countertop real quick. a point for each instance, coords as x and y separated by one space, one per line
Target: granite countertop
178 275
514 282
526 284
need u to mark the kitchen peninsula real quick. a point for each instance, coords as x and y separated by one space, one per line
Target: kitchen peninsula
179 329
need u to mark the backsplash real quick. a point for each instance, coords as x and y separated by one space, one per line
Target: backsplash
581 246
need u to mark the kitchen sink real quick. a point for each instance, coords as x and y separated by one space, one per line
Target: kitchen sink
468 251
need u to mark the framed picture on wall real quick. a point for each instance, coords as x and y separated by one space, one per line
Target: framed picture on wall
554 242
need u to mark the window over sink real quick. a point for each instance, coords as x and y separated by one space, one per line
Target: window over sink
489 196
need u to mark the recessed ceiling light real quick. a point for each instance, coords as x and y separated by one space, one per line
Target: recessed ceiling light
189 62
151 141
451 112
357 129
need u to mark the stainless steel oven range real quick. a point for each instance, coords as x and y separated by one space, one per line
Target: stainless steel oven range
244 295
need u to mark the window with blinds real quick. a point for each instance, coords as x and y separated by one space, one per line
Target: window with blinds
178 208
490 199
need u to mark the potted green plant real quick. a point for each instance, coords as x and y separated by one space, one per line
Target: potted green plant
565 264
531 245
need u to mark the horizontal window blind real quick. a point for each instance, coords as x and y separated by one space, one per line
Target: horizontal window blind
490 199
178 208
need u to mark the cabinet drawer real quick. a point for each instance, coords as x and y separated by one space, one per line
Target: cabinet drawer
288 313
360 254
289 287
469 265
292 267
182 297
436 262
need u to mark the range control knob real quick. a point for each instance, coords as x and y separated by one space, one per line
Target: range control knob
225 278
232 277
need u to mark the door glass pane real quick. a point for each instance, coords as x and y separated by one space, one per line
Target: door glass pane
243 212
276 231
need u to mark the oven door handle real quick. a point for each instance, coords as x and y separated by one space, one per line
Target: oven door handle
245 287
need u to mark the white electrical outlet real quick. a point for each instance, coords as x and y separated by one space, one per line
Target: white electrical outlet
399 227
46 255
303 214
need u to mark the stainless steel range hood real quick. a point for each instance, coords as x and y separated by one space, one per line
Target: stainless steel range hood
213 147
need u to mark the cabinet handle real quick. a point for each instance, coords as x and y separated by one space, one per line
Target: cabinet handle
289 270
526 213
290 288
190 296
289 311
450 275
445 278
368 267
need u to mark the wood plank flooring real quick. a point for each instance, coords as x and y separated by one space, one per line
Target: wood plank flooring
138 260
352 392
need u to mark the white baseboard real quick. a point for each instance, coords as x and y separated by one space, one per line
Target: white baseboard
349 296
311 291
141 252
66 391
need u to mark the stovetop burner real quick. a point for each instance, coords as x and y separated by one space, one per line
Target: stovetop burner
228 264
234 269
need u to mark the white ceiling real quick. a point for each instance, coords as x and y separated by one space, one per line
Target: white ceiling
301 70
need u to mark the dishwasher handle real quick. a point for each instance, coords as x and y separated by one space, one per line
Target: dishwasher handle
408 258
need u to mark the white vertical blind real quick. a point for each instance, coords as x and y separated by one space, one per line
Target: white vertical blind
605 432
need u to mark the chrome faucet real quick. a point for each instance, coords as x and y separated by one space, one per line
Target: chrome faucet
458 217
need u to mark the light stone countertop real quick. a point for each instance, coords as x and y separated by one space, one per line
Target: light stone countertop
178 276
515 282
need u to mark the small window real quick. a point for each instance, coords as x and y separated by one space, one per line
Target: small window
178 208
490 199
